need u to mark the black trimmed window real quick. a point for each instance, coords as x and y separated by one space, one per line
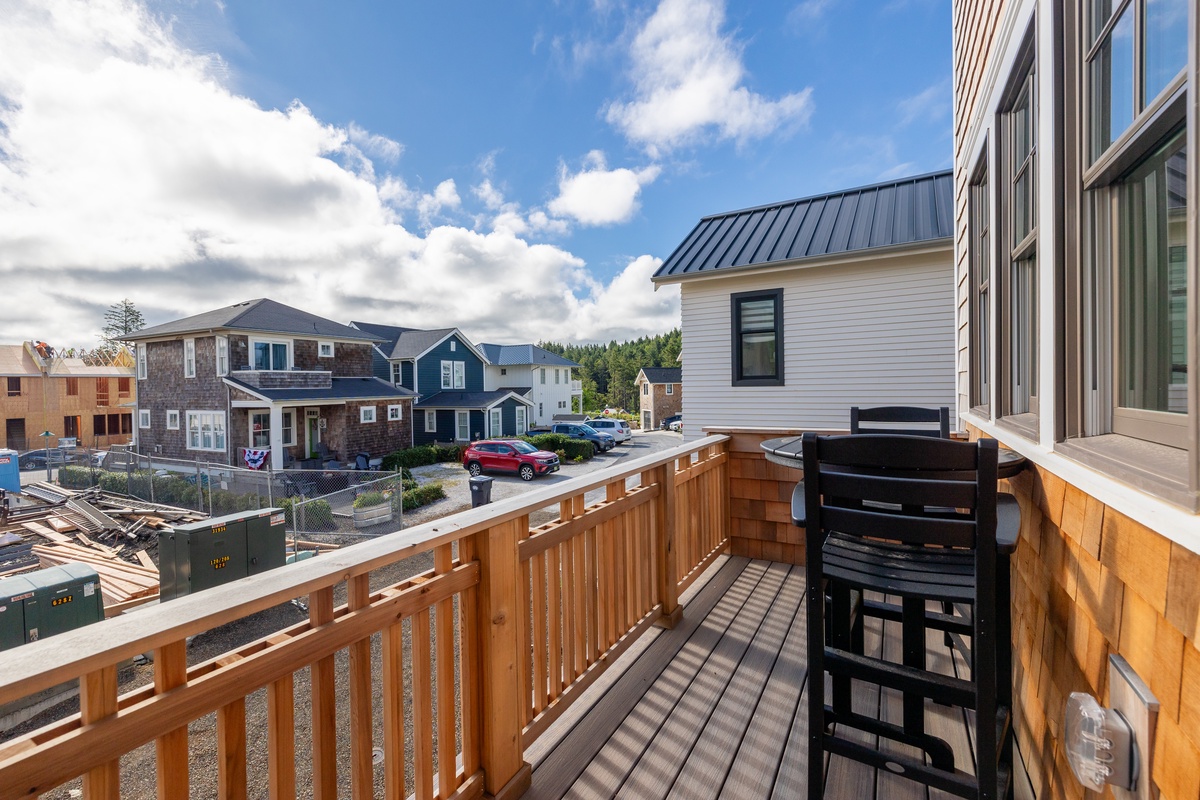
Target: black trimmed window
757 321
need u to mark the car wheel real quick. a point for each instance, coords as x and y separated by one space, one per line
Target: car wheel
474 468
526 472
596 449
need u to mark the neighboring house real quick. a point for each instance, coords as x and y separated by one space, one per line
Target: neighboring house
660 390
446 372
544 377
71 398
264 375
794 312
1078 277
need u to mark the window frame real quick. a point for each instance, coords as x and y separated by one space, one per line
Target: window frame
367 415
398 408
322 347
72 387
430 420
459 425
144 419
222 356
397 373
522 419
736 301
142 362
218 433
189 358
172 414
979 283
272 343
14 381
496 421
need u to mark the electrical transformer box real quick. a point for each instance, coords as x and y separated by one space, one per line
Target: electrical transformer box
201 555
49 601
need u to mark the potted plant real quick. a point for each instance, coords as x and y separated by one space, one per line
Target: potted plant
371 508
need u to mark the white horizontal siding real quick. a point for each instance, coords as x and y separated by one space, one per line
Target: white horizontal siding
879 333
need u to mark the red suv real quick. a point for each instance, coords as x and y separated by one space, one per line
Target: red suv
509 455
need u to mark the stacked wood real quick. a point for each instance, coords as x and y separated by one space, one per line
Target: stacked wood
120 581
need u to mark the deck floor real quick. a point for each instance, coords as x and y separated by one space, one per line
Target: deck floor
714 708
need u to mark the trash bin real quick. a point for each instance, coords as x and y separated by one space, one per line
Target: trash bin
481 491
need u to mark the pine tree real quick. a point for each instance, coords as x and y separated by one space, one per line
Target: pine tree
121 319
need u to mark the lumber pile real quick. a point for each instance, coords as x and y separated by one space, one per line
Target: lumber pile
120 581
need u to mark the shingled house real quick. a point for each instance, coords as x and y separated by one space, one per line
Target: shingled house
263 375
660 391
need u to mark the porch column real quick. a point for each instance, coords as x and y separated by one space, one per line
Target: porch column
276 437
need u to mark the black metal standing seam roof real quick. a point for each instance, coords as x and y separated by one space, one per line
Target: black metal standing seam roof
509 355
263 315
404 342
355 388
906 211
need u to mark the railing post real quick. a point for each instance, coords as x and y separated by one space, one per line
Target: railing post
506 774
171 750
664 545
97 700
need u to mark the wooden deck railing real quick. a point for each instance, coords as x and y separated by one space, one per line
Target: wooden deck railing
480 652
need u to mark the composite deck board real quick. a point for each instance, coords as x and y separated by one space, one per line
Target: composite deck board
715 707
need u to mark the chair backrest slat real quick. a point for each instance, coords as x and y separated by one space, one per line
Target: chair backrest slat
905 490
899 452
894 415
884 524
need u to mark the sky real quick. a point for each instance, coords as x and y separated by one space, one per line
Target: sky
518 170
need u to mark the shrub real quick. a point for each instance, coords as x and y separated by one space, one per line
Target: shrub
369 499
318 514
75 477
420 456
565 446
417 497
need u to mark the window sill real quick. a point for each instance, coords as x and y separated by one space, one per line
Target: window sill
1025 425
1147 466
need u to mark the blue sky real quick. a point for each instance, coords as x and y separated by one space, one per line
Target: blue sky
516 169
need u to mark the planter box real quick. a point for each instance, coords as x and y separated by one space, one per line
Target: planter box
372 515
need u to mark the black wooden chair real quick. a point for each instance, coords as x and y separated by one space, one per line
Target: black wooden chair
893 416
914 518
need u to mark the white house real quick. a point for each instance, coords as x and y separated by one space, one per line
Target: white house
543 377
796 311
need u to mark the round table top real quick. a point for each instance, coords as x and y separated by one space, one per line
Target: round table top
786 451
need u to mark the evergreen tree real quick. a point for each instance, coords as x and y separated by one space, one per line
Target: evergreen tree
121 318
608 371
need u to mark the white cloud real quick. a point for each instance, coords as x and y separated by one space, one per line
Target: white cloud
129 169
930 105
597 195
689 84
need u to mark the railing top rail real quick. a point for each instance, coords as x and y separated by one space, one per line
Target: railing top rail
48 662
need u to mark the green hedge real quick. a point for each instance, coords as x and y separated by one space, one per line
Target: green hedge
561 443
417 497
421 456
369 499
318 514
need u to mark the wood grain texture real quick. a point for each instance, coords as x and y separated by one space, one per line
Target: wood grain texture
97 701
281 739
362 773
231 751
324 705
171 749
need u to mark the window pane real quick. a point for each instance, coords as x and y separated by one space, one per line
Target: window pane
1152 283
1166 44
1112 85
1023 336
260 430
758 355
279 356
1100 11
758 315
262 355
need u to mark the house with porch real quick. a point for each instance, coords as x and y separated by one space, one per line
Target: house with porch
262 375
545 378
793 312
89 400
660 393
445 371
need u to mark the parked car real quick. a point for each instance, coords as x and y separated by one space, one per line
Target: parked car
677 425
617 428
509 455
602 442
36 459
665 424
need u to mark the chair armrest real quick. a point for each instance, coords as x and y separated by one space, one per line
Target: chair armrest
1008 523
799 513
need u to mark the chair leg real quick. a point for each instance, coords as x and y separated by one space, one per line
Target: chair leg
912 632
815 601
840 638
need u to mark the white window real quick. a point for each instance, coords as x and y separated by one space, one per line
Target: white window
670 388
497 423
141 362
522 424
172 420
206 430
189 358
460 375
143 418
396 374
452 345
395 413
260 429
289 428
543 375
464 425
431 421
556 375
324 349
645 388
366 414
268 354
447 374
222 355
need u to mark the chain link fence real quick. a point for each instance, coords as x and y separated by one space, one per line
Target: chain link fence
367 508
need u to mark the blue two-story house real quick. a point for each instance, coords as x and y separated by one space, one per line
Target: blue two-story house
446 371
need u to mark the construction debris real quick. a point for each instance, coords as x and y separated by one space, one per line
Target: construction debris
120 581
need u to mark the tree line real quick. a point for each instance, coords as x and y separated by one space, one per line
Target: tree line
608 371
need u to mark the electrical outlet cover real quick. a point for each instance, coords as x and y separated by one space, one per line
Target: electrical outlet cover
1129 694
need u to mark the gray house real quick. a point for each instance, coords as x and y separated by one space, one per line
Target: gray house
262 375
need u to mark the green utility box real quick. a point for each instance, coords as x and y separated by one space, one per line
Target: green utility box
49 601
201 555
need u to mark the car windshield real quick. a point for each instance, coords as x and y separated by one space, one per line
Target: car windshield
524 447
588 429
